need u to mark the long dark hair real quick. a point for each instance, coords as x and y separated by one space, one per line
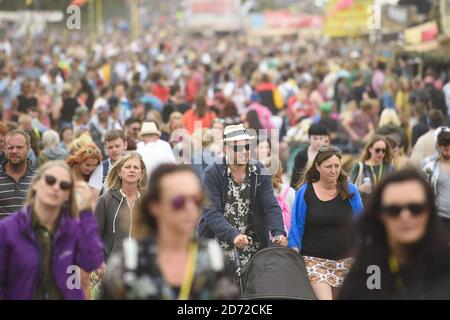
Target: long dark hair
200 106
86 87
229 110
312 174
253 120
429 257
144 222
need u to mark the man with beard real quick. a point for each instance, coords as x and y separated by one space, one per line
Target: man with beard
438 172
16 173
242 208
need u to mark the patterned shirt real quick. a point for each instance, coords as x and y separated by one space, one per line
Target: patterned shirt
13 193
212 278
238 212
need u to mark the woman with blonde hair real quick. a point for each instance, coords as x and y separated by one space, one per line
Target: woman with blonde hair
42 244
284 194
175 123
374 164
390 123
84 161
52 148
114 210
81 138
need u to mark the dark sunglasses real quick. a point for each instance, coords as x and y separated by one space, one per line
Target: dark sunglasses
380 150
240 148
179 202
63 185
395 210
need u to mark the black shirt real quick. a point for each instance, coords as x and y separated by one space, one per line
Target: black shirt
328 227
68 109
300 163
25 103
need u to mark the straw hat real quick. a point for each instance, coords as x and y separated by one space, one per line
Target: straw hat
236 133
150 128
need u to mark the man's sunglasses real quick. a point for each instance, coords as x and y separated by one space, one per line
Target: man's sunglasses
179 202
380 150
63 185
395 210
240 148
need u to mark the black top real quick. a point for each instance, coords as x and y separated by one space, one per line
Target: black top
68 109
25 103
328 227
300 162
419 129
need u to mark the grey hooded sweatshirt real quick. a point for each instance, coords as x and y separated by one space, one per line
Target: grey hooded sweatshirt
114 219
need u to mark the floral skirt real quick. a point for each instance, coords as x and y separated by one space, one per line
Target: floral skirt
331 272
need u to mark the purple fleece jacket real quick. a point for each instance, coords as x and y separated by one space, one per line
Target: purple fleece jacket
76 243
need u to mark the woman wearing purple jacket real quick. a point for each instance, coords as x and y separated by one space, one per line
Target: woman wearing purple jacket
44 245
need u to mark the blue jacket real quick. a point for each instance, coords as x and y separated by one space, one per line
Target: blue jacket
299 209
266 212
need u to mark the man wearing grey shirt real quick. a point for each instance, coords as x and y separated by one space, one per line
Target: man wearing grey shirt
438 172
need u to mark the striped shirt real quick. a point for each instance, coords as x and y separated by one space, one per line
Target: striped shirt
13 193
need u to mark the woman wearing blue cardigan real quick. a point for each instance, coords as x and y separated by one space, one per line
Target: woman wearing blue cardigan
322 222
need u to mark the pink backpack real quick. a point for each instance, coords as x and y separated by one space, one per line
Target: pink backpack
285 209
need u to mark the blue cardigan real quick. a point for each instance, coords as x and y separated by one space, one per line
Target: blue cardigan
299 209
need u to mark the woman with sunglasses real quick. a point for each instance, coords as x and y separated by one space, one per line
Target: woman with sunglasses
42 245
84 161
166 262
404 254
125 182
374 164
322 222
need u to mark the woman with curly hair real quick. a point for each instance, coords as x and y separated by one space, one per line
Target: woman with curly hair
84 161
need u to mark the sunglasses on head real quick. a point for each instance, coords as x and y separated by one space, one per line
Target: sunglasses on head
240 148
380 150
414 208
63 185
330 149
179 202
93 151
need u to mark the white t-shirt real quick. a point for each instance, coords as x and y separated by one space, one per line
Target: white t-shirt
96 178
446 90
155 153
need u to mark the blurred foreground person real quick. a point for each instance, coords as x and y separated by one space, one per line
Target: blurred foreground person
166 262
42 245
402 243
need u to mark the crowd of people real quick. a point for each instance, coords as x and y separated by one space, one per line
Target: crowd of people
152 165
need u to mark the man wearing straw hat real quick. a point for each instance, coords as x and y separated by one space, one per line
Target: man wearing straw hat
242 210
153 150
